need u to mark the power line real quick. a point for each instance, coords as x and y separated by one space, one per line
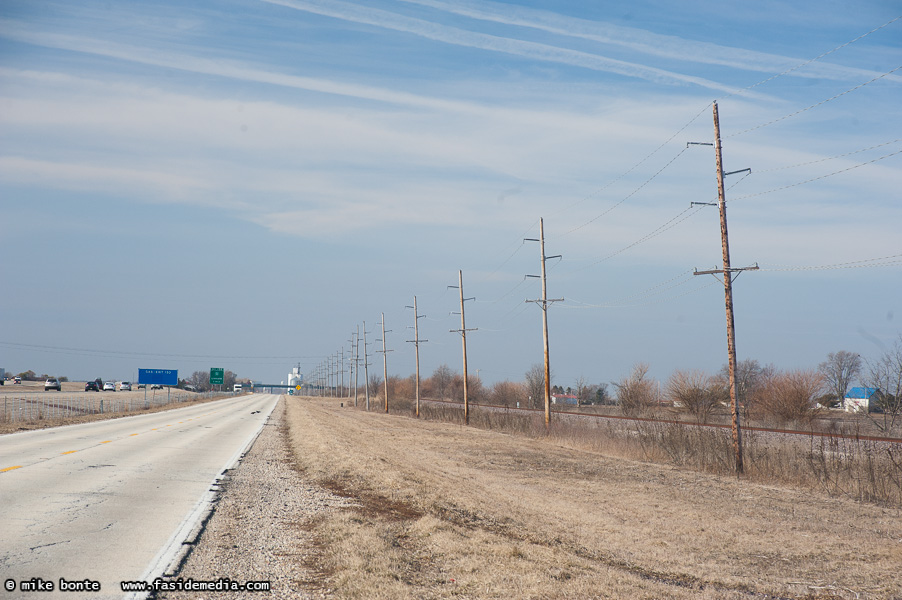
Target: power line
630 195
818 178
64 350
816 58
639 304
884 261
822 102
820 160
635 166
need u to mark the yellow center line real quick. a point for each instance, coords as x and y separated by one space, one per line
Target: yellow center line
106 441
10 468
132 435
69 452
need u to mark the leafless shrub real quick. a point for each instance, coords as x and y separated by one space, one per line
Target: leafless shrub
440 382
507 393
401 388
637 394
696 393
789 396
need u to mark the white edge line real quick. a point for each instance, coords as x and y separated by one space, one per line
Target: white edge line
171 551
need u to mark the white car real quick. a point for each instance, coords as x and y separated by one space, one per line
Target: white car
125 386
109 386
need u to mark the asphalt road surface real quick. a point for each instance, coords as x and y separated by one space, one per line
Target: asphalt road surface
112 501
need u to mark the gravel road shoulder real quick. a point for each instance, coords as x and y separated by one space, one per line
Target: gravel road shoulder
261 529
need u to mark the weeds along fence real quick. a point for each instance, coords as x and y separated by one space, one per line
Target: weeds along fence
840 463
20 408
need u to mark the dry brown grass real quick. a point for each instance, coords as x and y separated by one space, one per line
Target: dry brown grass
450 511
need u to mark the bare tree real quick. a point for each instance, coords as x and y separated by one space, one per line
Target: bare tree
697 393
229 380
441 380
535 385
582 390
790 396
200 380
885 374
638 393
750 376
507 393
839 371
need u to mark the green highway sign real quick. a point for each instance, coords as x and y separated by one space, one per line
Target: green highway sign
216 376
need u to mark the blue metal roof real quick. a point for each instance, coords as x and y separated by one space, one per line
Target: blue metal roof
861 393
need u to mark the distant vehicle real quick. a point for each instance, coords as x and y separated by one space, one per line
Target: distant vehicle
125 386
17 380
156 386
53 384
237 387
190 388
92 386
141 386
109 386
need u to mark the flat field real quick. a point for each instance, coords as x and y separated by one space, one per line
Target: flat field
28 406
445 511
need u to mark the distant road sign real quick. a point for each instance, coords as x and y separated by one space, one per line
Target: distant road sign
298 388
158 376
217 376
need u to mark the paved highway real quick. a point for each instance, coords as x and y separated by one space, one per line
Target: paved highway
112 501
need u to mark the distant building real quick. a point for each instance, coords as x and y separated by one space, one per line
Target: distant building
564 399
861 399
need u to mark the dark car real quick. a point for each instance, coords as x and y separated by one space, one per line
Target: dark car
92 386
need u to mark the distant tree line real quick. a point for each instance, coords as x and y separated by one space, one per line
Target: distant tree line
32 376
764 392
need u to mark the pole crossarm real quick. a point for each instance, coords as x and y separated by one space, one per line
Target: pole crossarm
736 270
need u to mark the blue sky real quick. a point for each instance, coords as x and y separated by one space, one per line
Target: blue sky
240 184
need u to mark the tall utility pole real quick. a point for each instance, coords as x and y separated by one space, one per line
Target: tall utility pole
463 334
544 302
366 371
341 369
416 344
357 362
385 363
727 274
350 363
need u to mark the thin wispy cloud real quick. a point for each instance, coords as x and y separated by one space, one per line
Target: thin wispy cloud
639 40
160 57
517 47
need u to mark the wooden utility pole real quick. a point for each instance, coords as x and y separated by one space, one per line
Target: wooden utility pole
385 363
727 275
544 302
416 344
357 362
341 369
463 334
366 371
